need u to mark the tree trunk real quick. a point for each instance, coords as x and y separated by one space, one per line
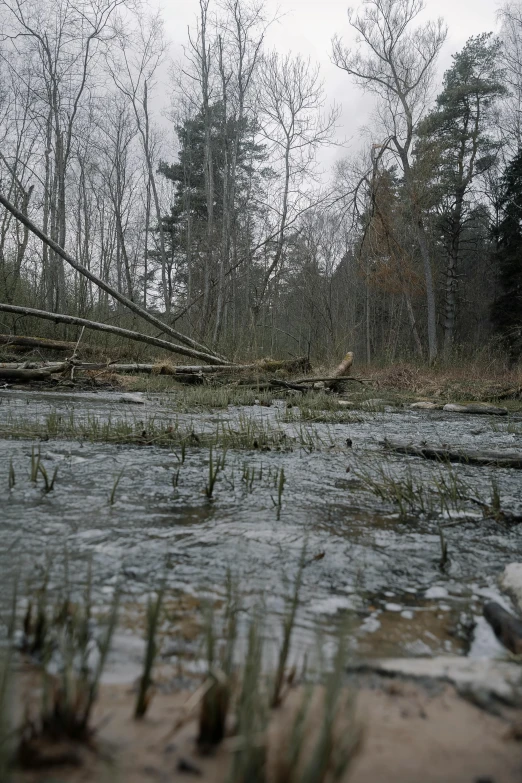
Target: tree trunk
130 335
430 292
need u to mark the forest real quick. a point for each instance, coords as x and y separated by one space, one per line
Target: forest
215 214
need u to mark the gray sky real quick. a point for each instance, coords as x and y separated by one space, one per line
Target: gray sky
307 27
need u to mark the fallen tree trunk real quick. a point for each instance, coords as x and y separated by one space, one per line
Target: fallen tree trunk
185 373
342 371
343 378
129 334
20 341
20 373
507 628
165 368
82 270
475 408
277 383
507 459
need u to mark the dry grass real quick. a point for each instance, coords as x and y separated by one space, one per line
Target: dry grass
465 380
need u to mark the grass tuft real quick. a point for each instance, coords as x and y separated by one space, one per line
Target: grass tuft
153 616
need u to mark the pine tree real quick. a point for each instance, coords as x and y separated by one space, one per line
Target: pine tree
506 311
185 226
456 143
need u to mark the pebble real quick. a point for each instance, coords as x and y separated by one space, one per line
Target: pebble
436 591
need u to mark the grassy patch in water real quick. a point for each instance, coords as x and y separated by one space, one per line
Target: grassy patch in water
245 432
188 397
446 494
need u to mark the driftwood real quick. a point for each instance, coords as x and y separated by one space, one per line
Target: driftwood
129 334
507 628
82 270
21 341
506 459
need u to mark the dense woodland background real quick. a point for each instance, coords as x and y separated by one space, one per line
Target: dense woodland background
411 247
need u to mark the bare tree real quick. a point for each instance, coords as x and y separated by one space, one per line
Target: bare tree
133 67
240 39
64 41
295 127
510 16
395 61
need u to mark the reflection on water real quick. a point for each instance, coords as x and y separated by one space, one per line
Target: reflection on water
363 563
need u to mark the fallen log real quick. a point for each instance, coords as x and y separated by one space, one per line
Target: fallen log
277 383
506 459
129 334
20 373
21 341
507 628
320 378
343 369
475 408
166 368
113 292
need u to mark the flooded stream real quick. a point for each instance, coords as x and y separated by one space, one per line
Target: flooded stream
141 512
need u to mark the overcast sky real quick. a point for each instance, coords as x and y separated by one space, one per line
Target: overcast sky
307 27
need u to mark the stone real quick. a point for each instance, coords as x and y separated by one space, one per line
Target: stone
425 406
511 582
131 399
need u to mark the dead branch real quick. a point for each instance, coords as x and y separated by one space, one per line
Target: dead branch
135 308
127 333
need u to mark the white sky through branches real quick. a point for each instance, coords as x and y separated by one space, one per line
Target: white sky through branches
307 27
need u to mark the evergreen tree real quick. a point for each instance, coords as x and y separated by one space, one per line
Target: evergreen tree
187 223
507 309
457 142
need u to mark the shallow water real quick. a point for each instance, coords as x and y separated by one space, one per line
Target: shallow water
364 564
